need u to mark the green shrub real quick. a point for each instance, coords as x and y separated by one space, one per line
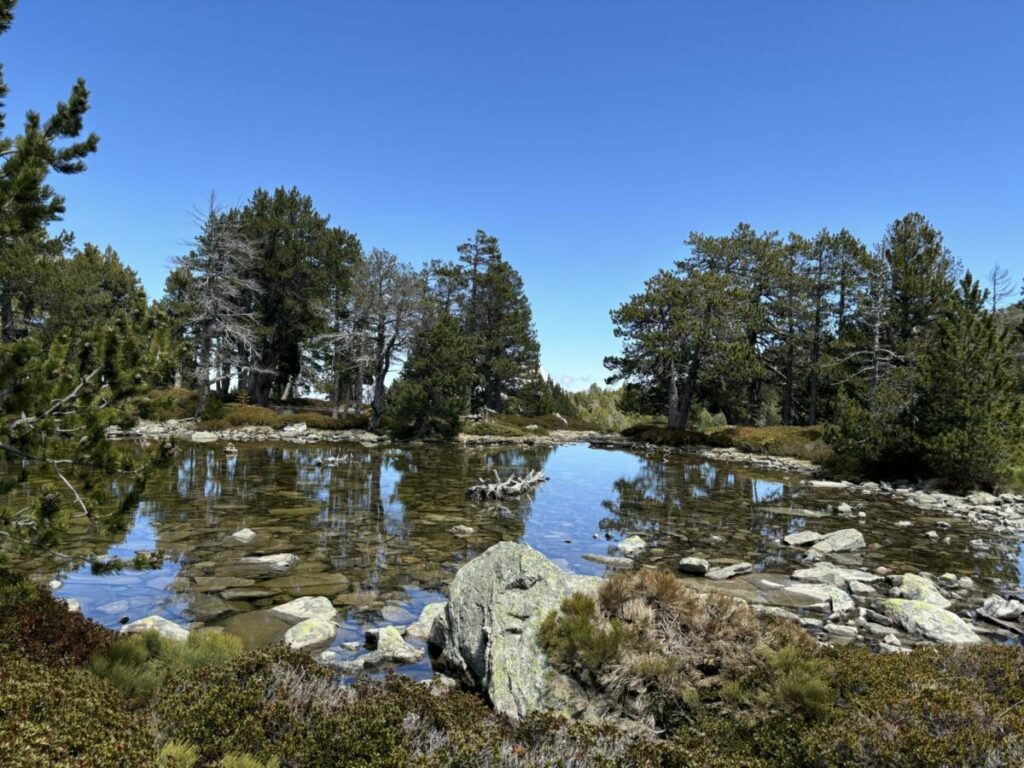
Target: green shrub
66 717
138 664
39 627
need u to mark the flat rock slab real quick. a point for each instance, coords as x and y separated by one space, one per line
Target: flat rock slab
728 571
827 573
610 560
929 621
914 587
801 538
795 512
845 540
220 583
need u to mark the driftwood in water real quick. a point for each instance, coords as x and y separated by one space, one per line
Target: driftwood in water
513 485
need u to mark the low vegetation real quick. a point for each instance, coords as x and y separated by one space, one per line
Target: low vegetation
795 442
724 688
680 680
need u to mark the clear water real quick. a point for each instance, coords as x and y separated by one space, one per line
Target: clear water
373 533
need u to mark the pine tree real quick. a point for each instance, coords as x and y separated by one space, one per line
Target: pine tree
967 416
428 398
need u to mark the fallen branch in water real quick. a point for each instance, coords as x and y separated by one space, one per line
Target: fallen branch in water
513 485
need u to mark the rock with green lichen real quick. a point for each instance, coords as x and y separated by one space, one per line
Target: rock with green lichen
929 621
488 631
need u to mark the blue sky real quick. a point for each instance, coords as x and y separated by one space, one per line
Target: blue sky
589 136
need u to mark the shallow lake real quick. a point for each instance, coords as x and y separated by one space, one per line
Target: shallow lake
373 532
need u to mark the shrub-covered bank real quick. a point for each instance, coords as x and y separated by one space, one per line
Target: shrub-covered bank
683 681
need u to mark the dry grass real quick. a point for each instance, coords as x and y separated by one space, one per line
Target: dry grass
795 442
658 652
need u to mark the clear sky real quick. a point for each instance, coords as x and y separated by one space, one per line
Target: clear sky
589 136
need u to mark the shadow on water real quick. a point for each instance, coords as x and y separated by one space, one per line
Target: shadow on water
372 528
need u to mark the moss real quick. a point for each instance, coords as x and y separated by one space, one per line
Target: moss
66 717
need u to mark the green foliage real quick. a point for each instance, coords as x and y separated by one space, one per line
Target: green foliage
956 414
137 665
38 627
576 639
429 398
239 415
174 754
66 717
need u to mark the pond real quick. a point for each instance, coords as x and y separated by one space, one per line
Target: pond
373 532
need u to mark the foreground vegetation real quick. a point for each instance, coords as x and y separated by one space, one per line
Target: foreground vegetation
678 680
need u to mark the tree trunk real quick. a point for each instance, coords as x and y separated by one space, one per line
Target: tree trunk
689 388
377 404
676 419
203 375
7 317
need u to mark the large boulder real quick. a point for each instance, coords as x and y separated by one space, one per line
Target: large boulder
488 631
930 621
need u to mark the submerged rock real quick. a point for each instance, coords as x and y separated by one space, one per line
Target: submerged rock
160 625
281 563
244 536
488 630
929 621
392 650
609 560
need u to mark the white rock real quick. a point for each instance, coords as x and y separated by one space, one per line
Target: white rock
631 546
73 605
244 536
996 607
158 624
303 608
54 585
203 437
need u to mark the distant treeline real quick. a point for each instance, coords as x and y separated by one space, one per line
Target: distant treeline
913 363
